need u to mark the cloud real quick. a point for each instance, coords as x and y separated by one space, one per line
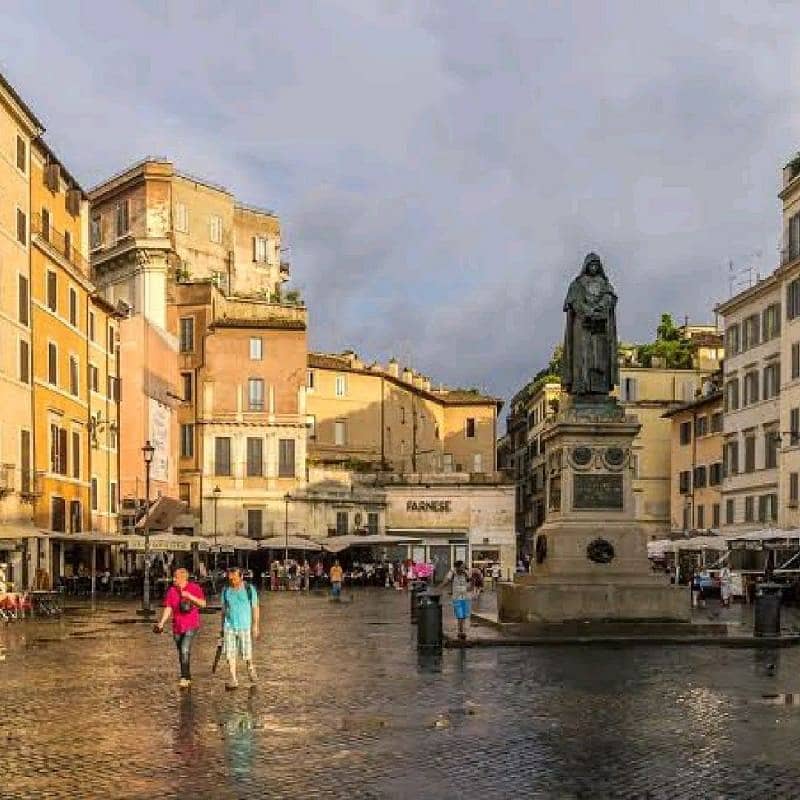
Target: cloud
441 169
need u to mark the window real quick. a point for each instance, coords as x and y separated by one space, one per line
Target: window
187 441
185 493
477 462
372 523
222 455
22 227
68 245
715 515
793 488
750 453
686 518
794 426
716 422
58 449
729 509
255 394
748 509
311 424
771 322
732 394
52 364
732 340
94 494
111 339
767 508
22 155
751 332
470 428
629 390
686 433
341 385
75 522
772 380
73 375
24 361
793 236
700 476
58 514
215 228
715 474
255 457
187 334
181 218
732 458
286 467
52 291
341 523
701 426
701 516
186 377
256 348
447 462
772 441
112 388
73 307
123 218
260 249
45 225
112 497
750 388
340 432
255 523
76 455
402 415
793 299
95 232
23 311
685 482
91 326
310 379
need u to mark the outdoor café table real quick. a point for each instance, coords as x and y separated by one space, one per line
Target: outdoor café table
71 583
120 584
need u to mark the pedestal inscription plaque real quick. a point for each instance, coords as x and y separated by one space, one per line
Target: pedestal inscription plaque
592 492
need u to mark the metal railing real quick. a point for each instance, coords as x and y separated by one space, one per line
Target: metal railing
58 242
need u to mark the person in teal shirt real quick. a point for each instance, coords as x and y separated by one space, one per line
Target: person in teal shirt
240 624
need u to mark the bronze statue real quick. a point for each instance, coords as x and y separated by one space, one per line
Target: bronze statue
590 364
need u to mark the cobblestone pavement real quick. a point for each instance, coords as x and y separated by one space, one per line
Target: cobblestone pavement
345 707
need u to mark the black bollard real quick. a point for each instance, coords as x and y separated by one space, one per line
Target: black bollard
767 611
417 587
429 622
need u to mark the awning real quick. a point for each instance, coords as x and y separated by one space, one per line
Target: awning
228 543
18 532
658 547
335 544
291 543
85 537
166 542
162 514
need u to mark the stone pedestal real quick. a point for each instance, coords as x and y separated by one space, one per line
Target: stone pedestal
591 555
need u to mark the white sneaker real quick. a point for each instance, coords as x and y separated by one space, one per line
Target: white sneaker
251 671
184 683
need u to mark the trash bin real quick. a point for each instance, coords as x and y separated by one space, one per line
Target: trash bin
416 588
767 611
429 621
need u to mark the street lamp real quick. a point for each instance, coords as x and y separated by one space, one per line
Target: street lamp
217 492
286 499
147 453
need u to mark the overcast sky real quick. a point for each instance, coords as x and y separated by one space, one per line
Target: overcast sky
442 168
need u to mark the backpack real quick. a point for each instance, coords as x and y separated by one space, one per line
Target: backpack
248 588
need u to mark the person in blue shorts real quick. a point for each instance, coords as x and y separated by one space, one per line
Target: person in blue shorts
460 586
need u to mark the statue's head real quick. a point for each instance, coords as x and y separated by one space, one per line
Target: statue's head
593 266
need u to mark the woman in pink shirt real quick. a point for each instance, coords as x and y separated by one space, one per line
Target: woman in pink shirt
183 602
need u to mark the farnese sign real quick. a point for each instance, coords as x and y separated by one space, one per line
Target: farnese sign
429 505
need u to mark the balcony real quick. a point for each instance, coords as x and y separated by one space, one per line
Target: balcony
51 239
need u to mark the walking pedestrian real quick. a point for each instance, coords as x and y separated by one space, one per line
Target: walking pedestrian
336 579
725 586
240 624
183 602
460 583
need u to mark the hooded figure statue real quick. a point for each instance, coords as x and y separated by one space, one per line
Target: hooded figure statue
590 365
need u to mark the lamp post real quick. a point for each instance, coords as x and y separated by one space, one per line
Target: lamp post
147 452
286 529
217 492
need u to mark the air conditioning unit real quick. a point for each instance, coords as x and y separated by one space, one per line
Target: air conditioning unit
52 176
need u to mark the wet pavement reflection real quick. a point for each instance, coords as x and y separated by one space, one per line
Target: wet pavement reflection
345 706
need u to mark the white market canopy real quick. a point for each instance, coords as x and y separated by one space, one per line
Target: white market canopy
657 548
166 542
335 544
290 543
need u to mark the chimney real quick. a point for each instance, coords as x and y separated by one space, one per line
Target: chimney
408 376
426 383
393 368
418 381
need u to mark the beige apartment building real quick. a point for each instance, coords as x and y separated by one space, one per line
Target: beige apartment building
752 405
221 395
18 129
372 417
696 462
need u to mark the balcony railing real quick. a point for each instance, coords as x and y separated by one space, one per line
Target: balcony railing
58 242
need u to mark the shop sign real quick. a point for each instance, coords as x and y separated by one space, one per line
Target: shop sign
440 506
